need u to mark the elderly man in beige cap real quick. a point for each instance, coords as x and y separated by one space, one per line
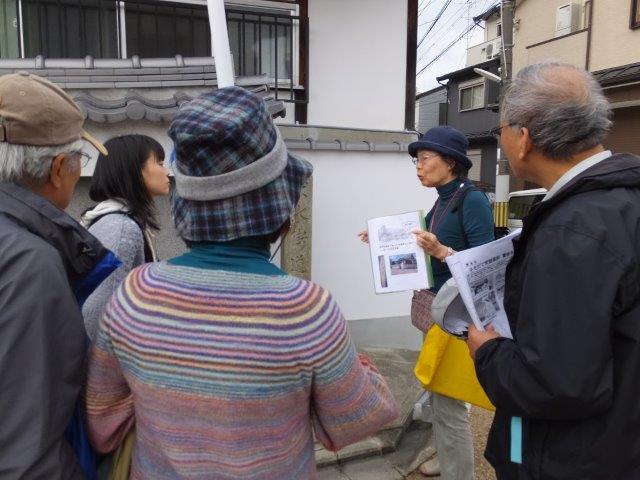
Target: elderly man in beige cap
48 266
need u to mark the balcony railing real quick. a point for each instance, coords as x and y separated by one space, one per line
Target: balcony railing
484 51
262 42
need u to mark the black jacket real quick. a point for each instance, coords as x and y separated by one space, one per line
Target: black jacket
572 371
48 262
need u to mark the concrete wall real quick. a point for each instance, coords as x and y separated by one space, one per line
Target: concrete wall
350 188
357 69
429 109
613 42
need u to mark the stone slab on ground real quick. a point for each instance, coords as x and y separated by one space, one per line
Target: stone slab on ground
396 365
415 446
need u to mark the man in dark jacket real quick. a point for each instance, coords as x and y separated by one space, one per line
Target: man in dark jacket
566 387
48 264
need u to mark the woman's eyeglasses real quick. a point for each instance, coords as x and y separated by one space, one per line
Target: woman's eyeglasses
416 161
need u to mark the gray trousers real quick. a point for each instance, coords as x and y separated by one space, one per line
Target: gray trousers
453 437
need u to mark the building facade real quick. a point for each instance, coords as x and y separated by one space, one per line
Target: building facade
318 63
431 109
602 36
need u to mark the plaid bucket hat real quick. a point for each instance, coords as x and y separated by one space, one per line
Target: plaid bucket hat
234 176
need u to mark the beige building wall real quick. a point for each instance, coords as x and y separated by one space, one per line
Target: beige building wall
571 49
613 43
535 23
491 28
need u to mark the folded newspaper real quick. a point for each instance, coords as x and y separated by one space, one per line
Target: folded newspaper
479 273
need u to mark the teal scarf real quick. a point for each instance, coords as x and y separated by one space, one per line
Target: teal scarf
244 255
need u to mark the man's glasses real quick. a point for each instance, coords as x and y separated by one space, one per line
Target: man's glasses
497 132
83 156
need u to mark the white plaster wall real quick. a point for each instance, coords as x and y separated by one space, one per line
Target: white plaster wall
348 189
357 63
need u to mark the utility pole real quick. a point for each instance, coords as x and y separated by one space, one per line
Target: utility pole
501 205
220 43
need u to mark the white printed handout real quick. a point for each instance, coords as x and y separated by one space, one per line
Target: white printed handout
479 273
398 262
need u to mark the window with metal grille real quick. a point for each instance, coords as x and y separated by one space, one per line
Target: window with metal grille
155 29
262 41
70 28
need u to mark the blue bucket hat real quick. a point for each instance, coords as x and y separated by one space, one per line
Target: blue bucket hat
234 176
445 140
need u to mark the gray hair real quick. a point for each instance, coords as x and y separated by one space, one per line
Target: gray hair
27 164
561 105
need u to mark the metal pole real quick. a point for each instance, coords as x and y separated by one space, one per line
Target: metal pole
220 43
501 205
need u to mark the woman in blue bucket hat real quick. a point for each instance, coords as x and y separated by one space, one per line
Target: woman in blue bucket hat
461 218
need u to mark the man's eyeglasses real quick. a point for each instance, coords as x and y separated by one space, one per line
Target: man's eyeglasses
497 132
416 161
83 156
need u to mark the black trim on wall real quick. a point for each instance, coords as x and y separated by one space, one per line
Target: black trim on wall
412 54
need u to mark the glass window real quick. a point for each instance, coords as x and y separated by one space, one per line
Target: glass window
519 206
156 30
499 30
261 43
8 29
472 97
59 29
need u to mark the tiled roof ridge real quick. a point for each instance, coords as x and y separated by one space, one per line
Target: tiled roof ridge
134 105
39 62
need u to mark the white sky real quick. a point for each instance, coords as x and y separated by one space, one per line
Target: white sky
456 18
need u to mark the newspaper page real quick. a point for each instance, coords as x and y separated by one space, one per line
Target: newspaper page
480 275
398 262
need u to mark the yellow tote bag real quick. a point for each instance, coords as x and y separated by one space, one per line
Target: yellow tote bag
445 367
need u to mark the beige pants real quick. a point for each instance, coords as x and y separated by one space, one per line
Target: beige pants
453 438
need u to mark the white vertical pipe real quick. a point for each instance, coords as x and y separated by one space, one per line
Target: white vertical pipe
220 43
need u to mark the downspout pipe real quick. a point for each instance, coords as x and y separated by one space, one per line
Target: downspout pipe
220 43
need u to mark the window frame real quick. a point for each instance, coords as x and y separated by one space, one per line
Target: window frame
634 19
470 85
269 6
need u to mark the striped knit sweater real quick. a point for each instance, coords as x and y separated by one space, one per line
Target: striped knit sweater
227 375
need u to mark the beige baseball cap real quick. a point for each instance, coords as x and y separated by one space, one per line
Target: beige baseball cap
34 111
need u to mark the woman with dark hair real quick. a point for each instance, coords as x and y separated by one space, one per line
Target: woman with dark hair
124 221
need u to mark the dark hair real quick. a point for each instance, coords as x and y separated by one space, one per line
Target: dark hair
119 175
456 167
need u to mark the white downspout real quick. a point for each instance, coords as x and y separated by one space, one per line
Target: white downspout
220 43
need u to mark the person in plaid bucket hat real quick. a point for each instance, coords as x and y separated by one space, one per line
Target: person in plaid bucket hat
236 364
234 176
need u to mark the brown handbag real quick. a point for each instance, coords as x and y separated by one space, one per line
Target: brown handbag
421 316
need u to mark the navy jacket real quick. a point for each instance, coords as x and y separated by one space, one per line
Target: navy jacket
573 301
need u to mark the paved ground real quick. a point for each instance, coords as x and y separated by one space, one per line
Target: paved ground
396 452
414 447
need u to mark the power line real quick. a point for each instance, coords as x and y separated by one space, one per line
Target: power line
440 13
447 48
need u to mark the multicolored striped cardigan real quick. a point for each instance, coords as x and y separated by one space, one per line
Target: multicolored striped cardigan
227 375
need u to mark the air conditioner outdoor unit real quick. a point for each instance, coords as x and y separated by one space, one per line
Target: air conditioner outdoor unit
567 19
492 49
